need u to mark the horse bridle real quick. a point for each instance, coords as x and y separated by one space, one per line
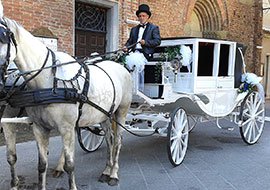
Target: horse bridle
6 37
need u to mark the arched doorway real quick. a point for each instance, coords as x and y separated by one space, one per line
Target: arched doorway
206 19
195 27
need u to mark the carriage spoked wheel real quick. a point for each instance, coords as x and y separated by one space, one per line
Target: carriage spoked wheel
90 138
177 136
252 115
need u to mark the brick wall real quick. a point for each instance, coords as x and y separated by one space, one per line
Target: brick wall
56 15
168 15
241 20
245 26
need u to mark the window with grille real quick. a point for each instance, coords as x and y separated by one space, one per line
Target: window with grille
91 18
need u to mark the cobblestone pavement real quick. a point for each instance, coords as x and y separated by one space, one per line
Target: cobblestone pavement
216 160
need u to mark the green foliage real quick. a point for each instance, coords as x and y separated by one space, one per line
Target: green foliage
245 87
120 58
158 71
170 53
167 56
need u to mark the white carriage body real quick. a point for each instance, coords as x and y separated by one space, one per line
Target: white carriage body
207 88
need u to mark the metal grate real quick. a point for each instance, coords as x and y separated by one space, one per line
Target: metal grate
90 18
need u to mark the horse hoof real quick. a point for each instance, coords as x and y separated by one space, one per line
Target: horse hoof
58 174
15 184
104 178
113 182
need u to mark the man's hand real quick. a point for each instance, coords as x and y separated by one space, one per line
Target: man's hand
125 49
142 42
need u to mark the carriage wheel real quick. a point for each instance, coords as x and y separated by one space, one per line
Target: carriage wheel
177 136
90 138
252 116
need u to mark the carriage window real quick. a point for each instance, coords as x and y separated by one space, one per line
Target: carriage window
206 59
224 60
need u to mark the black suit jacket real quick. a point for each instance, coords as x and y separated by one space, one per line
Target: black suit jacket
151 36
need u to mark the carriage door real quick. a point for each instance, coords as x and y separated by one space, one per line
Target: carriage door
90 29
225 92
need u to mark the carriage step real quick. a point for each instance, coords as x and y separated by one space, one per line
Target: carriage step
17 120
228 128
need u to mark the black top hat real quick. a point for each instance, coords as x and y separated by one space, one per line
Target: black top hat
143 8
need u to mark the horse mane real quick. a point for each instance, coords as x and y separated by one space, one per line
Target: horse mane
12 24
1 9
17 28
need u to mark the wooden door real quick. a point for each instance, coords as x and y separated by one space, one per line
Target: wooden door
88 42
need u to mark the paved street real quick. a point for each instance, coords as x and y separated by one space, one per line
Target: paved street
216 160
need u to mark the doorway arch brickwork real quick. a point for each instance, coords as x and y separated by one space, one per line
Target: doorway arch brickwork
211 17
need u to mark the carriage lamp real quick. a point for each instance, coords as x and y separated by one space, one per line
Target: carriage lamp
175 64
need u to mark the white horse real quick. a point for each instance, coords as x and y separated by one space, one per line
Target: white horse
29 55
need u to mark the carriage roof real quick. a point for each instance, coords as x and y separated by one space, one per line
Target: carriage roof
184 38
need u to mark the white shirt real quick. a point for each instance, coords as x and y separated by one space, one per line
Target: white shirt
140 35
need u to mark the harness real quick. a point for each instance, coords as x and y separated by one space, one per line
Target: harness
20 97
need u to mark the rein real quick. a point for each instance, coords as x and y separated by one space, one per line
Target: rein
81 98
80 60
115 51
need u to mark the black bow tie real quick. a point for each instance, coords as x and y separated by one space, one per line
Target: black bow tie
142 25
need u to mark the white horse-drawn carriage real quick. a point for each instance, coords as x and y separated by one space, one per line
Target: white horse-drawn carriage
82 93
207 88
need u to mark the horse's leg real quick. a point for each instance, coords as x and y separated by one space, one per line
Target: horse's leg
42 138
105 176
68 140
60 167
120 117
10 136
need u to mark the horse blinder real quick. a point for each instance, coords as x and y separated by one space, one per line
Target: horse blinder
5 35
